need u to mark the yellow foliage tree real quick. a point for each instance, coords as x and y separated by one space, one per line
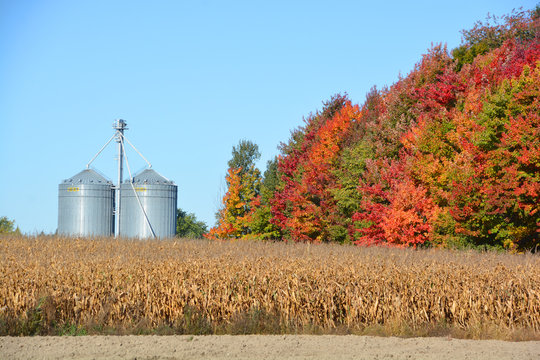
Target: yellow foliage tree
239 204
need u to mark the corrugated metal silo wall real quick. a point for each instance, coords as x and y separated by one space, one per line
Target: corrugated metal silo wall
159 202
85 209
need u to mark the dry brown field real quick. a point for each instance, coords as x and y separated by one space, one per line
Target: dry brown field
54 285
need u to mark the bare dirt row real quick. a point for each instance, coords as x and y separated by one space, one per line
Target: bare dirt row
262 347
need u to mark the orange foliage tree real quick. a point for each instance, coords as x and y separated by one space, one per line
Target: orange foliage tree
304 207
240 202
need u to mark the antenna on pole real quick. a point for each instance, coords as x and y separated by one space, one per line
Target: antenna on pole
119 125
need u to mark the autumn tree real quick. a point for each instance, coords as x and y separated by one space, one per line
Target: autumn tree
395 210
304 207
491 34
496 200
242 197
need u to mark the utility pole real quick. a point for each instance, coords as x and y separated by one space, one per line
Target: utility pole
119 125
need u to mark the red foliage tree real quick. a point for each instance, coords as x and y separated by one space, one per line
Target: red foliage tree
304 207
395 210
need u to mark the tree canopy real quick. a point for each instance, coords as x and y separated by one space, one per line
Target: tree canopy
448 156
7 226
187 225
242 196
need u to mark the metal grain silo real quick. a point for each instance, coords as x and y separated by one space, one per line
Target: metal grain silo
157 196
85 205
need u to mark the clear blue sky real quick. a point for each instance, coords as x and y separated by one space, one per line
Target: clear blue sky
191 78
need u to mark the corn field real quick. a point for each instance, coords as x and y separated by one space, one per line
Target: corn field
121 283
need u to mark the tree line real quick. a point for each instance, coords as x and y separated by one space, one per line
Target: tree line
448 155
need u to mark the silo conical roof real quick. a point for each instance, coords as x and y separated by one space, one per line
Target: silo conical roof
150 176
87 176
